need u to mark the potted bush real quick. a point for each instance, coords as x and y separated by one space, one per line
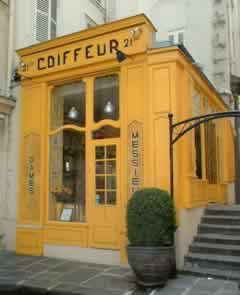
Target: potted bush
150 226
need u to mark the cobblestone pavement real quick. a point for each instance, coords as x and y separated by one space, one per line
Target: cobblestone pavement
42 275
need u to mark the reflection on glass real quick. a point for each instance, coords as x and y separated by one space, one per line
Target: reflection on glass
100 182
67 175
106 132
100 152
100 167
111 151
111 198
68 105
106 98
111 182
100 198
111 167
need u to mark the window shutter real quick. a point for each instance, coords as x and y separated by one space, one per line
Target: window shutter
42 20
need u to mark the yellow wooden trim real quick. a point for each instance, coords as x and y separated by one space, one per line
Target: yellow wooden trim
106 122
67 224
66 127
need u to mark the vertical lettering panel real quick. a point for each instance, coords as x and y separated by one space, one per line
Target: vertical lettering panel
30 157
135 157
31 178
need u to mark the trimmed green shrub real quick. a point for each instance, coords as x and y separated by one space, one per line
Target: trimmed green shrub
151 218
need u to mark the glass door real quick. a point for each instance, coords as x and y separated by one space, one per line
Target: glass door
105 195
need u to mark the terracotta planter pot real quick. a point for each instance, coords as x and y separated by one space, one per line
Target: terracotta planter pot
151 265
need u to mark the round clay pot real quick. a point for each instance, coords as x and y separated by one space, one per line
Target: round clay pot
151 265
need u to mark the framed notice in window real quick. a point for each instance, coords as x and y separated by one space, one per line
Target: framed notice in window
66 214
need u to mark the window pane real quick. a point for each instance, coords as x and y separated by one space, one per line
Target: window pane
67 175
197 135
111 182
68 105
100 152
100 182
198 149
111 167
181 38
106 98
100 198
100 167
111 151
196 109
111 198
106 132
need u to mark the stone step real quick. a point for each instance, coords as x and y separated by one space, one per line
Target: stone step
221 219
223 210
219 229
211 273
211 248
218 239
212 261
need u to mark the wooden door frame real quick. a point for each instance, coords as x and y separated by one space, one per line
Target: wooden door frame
91 181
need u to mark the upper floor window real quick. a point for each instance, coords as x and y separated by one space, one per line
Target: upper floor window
176 36
90 22
100 4
45 19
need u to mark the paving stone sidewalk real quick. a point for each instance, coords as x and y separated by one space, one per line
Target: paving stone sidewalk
42 275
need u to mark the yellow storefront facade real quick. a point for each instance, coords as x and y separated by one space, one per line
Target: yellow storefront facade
94 128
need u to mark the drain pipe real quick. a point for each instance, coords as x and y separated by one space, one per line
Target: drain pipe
4 167
3 201
11 30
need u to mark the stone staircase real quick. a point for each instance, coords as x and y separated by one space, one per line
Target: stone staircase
215 251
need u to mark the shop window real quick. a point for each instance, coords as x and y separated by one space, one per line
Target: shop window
106 98
211 146
68 105
211 152
197 137
67 153
67 176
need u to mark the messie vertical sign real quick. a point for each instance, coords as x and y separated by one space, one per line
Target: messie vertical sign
135 157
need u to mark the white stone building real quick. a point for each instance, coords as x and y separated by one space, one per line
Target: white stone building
7 114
